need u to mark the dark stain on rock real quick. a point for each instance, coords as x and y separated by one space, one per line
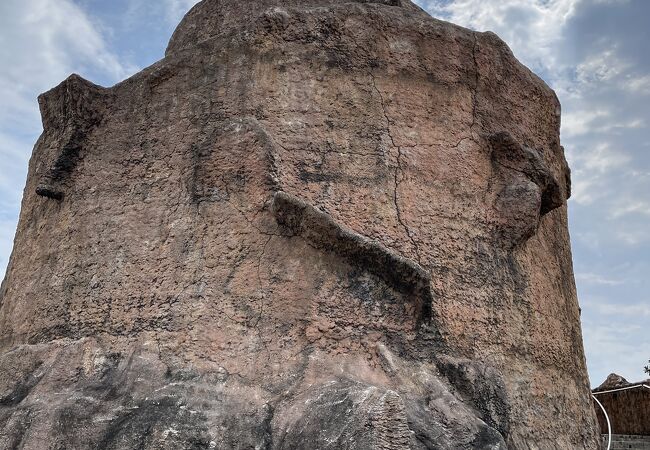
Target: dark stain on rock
70 112
483 387
140 425
22 388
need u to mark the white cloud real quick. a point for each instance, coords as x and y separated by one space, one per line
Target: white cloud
592 278
591 168
632 206
603 159
615 347
599 120
632 238
637 310
600 67
580 122
44 41
638 84
608 67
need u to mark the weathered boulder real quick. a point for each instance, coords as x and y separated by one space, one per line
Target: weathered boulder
613 381
313 224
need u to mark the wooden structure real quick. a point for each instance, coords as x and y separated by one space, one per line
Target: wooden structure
628 408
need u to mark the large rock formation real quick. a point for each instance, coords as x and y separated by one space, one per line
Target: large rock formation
314 224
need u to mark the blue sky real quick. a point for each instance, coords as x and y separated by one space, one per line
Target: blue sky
594 53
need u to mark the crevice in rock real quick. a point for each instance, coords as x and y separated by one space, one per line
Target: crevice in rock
477 79
474 95
398 172
383 108
263 294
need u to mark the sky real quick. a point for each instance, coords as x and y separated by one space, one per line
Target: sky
594 53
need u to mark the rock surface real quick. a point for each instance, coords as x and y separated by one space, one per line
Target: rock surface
314 224
613 381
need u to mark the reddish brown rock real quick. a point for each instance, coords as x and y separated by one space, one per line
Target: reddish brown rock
313 224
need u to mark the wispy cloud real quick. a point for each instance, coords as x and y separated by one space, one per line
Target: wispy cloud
633 238
623 308
591 170
42 41
592 278
638 84
600 67
615 347
580 122
635 206
599 121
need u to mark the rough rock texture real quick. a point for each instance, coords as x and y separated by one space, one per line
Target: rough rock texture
613 381
313 224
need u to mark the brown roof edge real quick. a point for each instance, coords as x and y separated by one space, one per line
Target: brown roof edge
643 384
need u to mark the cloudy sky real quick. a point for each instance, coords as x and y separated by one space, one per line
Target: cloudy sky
594 53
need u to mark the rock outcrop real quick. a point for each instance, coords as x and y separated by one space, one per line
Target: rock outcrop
613 381
314 224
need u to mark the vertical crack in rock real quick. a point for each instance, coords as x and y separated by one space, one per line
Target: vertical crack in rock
398 172
474 94
263 294
383 108
477 79
323 233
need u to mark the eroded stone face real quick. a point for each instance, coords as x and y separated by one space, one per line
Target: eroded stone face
314 224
